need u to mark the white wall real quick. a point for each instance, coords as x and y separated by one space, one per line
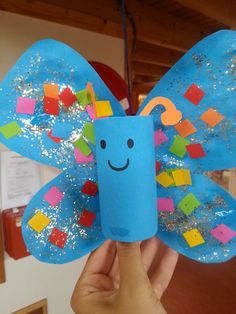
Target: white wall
29 280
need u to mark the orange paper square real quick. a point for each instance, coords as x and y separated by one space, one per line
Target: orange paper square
185 128
51 90
212 117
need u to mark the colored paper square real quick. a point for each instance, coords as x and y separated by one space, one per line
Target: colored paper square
158 166
87 218
51 91
223 233
88 132
67 97
58 238
10 130
25 105
103 109
160 137
39 222
194 94
182 177
185 128
80 158
165 204
178 146
54 138
82 146
193 237
189 203
84 97
195 150
91 112
164 179
51 106
53 196
90 188
211 117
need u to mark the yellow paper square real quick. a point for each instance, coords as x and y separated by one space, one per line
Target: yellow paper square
182 177
164 179
103 108
51 90
39 222
193 237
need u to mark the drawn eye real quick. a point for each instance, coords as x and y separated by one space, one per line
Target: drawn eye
103 144
130 143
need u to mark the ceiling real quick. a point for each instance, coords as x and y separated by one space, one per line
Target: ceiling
159 31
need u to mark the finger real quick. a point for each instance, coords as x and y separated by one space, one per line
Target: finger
101 260
161 277
114 273
149 250
130 265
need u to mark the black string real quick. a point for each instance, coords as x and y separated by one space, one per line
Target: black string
126 51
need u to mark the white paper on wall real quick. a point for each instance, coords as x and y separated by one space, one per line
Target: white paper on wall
20 180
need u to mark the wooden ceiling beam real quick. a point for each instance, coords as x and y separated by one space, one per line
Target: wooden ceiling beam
163 29
152 54
223 11
54 13
148 69
103 16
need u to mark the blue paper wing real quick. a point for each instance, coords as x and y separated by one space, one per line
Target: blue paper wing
210 65
209 69
217 208
72 239
52 62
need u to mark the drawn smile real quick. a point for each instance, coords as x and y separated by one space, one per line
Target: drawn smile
119 168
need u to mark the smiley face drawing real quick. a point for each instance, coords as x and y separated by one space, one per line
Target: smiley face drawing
126 177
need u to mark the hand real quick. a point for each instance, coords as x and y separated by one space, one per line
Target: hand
121 278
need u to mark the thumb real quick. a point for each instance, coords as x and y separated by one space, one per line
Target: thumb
130 264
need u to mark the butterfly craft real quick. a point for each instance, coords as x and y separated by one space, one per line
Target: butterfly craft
54 108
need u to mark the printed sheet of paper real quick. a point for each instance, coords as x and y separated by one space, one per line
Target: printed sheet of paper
20 180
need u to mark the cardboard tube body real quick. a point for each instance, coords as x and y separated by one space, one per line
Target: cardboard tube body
126 177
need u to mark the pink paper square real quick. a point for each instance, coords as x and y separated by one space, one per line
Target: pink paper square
160 137
80 158
53 196
91 112
25 105
223 233
165 204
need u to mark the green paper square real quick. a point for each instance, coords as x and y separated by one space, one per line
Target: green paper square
189 203
82 146
178 146
84 97
10 130
88 132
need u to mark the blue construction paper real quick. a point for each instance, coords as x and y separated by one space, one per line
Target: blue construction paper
126 177
217 207
212 69
48 61
211 66
64 216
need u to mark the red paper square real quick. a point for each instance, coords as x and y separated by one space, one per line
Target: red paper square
54 138
90 188
51 106
67 97
86 218
58 238
194 94
195 150
158 166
